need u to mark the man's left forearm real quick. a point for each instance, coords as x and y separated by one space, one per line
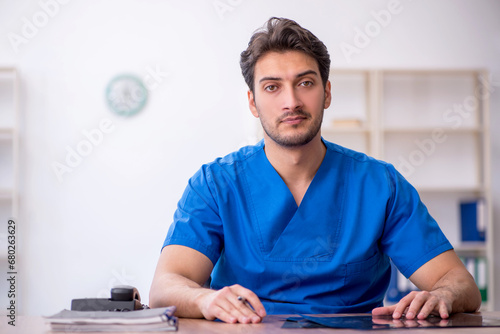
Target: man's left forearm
447 287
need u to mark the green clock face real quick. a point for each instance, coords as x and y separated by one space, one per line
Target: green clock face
126 95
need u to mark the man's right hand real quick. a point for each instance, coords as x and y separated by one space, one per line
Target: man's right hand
179 278
224 305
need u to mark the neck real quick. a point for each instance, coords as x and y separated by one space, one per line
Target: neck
296 165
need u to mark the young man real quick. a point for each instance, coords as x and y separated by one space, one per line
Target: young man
296 224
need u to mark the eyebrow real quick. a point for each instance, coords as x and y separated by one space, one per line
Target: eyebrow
297 76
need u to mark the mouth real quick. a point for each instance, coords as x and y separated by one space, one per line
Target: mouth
294 119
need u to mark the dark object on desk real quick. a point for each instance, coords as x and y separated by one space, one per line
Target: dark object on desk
123 298
369 322
148 320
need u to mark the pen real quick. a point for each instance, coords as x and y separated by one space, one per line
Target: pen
244 301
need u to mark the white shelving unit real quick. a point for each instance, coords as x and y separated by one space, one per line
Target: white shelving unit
433 126
349 120
9 160
9 142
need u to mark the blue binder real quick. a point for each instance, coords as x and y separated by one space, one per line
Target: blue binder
472 221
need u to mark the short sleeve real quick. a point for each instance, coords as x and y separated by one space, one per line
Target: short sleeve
197 223
411 236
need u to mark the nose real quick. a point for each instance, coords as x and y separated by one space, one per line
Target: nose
291 100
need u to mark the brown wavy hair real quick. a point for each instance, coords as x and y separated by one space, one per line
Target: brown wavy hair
280 35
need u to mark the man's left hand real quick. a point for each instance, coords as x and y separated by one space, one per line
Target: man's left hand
420 304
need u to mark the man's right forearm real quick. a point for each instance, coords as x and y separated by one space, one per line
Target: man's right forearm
173 289
178 280
194 301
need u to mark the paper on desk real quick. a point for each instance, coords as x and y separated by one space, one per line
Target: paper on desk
156 319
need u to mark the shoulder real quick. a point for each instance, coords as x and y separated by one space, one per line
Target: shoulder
364 168
354 157
228 164
242 155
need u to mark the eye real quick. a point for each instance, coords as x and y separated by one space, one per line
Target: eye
306 83
270 88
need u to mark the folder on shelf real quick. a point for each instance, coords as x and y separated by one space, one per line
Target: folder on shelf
482 277
472 216
478 268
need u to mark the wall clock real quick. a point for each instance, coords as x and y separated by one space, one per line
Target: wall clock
126 95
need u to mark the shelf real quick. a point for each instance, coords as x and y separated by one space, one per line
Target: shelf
430 99
444 130
7 134
7 69
6 194
331 130
351 102
448 189
437 71
469 247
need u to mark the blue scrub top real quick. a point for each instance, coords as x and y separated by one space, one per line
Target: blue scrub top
328 255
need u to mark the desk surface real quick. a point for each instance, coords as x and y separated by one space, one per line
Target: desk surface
271 324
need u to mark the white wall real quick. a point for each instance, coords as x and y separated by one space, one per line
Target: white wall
104 224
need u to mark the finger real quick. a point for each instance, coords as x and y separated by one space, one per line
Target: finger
444 311
231 309
421 305
213 305
243 311
226 307
428 308
403 305
384 310
253 302
424 304
222 315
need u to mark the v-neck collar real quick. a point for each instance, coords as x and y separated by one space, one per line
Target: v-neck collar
275 175
279 220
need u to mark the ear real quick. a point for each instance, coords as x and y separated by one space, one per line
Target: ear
251 104
328 94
